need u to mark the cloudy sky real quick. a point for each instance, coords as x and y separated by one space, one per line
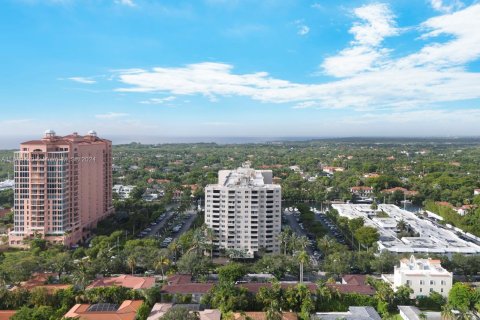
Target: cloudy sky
133 69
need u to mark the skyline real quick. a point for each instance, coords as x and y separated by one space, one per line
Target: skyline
216 68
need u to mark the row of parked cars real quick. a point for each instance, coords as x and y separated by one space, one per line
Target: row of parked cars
173 227
332 228
152 224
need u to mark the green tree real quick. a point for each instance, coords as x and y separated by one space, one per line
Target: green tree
303 258
231 272
460 297
367 235
177 313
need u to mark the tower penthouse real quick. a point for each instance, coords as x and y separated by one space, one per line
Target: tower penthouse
63 187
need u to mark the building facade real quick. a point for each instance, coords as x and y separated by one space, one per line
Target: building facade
63 187
244 211
422 276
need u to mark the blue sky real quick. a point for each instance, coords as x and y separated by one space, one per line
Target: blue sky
145 69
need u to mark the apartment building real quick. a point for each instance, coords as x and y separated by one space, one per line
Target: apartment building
63 187
244 210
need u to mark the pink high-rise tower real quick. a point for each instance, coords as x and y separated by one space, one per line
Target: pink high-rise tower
63 187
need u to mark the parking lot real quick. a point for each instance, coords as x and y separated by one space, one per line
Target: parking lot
292 219
175 227
330 226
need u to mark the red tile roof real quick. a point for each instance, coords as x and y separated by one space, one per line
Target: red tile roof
127 311
182 284
263 316
7 314
403 190
126 281
39 280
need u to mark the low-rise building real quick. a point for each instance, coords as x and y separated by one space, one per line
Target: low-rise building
126 281
428 237
423 276
160 309
413 313
332 170
353 313
406 192
361 191
263 316
103 311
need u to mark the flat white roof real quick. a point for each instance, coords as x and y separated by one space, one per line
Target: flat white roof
432 238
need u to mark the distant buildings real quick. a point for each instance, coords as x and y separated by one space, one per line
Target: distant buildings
123 191
406 192
361 191
63 187
332 170
244 210
7 184
423 276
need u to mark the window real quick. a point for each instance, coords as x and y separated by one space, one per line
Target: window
408 283
432 283
422 282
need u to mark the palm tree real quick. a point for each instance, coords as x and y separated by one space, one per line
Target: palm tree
447 312
324 293
302 242
283 237
302 258
132 262
160 262
402 225
174 247
326 244
292 241
80 276
273 311
210 237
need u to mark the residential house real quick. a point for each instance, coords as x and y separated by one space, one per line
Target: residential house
105 311
126 281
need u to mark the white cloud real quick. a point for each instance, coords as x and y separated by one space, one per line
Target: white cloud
158 100
377 22
446 6
111 115
370 77
83 80
464 47
303 30
129 3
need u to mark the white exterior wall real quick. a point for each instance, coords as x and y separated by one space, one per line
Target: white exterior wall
422 277
244 217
